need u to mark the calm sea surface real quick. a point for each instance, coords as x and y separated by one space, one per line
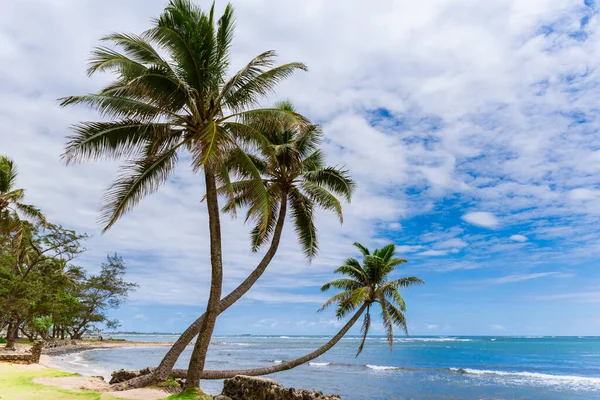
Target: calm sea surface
418 368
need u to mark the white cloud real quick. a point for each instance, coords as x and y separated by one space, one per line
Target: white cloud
433 327
585 296
526 277
480 218
497 327
433 253
584 194
452 243
518 238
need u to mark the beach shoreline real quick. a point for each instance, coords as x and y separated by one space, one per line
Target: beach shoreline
98 345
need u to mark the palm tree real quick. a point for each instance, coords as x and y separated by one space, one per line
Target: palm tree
292 167
364 286
293 170
159 106
11 206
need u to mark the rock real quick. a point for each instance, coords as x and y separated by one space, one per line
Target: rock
36 352
123 375
221 397
252 388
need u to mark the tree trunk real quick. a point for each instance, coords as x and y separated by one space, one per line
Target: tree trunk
284 366
166 365
10 337
11 334
198 358
30 335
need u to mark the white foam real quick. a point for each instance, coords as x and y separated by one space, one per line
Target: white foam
433 340
535 377
277 361
235 344
319 364
381 367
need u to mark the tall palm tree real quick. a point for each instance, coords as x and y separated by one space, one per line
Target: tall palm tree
292 167
159 106
11 206
364 286
289 161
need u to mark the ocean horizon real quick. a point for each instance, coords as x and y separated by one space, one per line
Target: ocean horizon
419 367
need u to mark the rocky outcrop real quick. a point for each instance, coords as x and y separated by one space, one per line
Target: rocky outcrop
123 375
24 358
253 388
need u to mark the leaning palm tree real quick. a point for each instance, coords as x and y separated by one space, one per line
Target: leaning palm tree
364 286
172 94
292 167
11 206
293 170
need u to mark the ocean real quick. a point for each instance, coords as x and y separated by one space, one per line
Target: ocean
490 368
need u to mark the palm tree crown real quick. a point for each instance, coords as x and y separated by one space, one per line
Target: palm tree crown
367 284
11 206
171 93
293 170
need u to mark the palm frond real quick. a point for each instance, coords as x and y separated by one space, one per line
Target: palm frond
137 180
256 84
397 316
342 284
364 330
8 174
334 179
363 249
338 298
353 268
323 198
137 48
114 140
32 213
303 217
387 321
118 106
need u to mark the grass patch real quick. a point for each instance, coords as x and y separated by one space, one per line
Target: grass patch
16 383
2 341
190 394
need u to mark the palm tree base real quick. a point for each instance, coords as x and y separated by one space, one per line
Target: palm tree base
192 394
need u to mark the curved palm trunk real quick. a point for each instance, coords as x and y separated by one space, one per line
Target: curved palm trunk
225 374
166 365
216 260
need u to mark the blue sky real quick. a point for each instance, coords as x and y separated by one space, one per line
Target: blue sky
471 128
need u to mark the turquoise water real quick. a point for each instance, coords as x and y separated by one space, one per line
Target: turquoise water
418 368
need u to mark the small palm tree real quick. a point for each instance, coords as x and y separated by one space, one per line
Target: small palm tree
292 167
11 206
368 284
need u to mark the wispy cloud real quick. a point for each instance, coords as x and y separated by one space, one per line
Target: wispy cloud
519 238
480 218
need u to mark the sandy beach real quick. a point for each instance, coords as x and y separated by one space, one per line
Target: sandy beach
41 381
38 381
